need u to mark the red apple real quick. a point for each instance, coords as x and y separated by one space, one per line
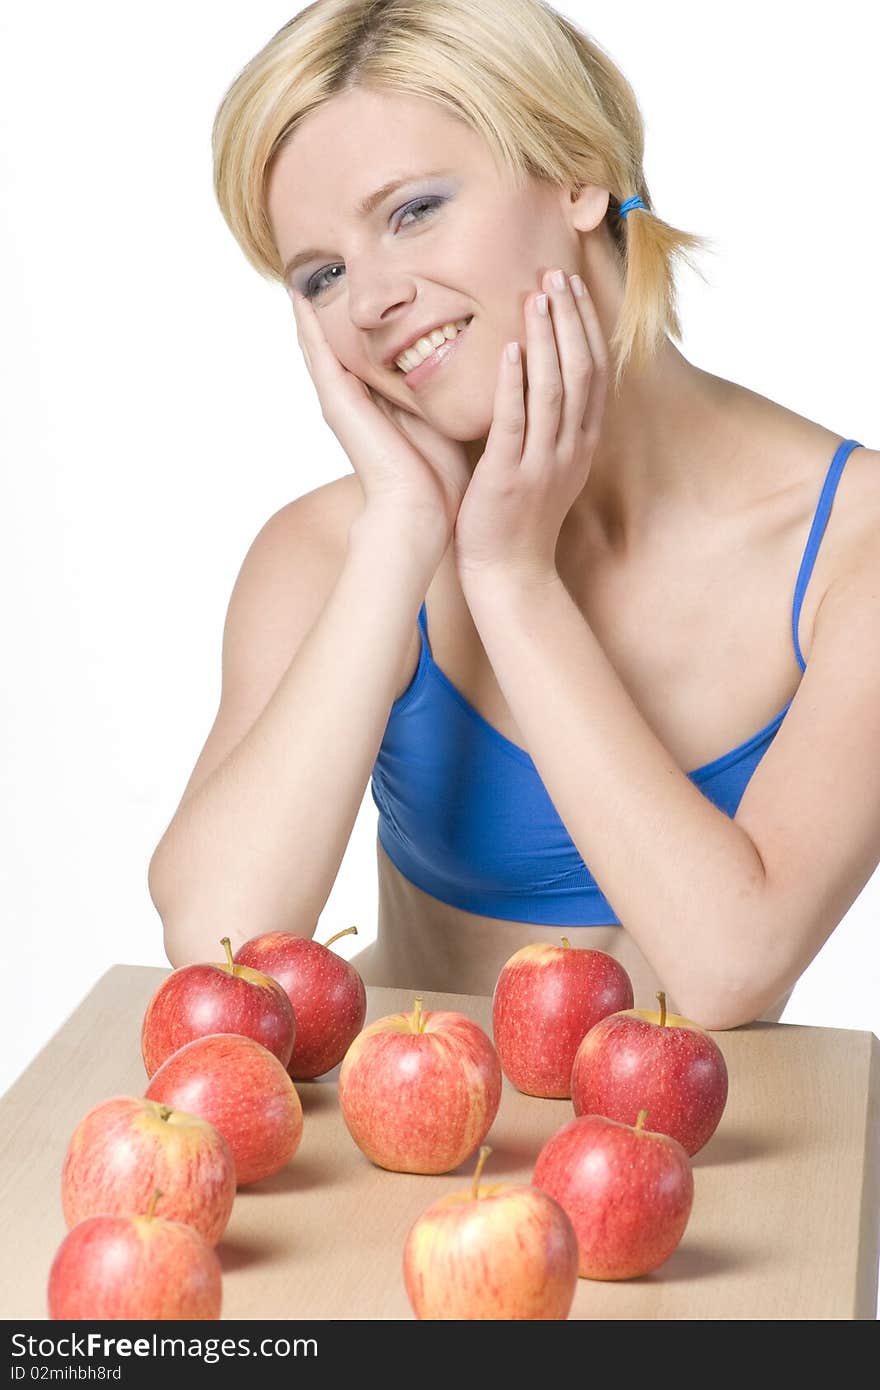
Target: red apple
663 1061
499 1252
327 994
199 999
627 1190
419 1091
242 1090
546 998
125 1148
134 1267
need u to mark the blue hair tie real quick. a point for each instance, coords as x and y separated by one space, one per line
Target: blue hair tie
629 204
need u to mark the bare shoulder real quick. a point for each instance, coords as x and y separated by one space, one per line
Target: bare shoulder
336 506
848 546
284 581
859 516
323 517
295 560
853 527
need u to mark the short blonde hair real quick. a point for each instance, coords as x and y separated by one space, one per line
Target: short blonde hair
548 101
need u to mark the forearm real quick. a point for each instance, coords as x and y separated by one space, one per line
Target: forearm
258 845
683 878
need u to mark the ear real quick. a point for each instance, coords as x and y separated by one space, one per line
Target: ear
585 207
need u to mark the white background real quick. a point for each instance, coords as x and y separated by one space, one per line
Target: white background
155 411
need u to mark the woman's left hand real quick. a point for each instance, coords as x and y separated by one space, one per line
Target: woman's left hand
541 442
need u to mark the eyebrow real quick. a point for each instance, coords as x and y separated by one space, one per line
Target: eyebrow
363 209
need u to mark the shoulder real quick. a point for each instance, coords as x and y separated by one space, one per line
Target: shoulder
849 541
322 517
806 460
303 545
854 520
290 569
854 568
863 472
296 559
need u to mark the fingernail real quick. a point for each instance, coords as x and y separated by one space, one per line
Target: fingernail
558 280
577 286
541 304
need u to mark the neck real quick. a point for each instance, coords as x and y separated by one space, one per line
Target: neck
662 442
665 440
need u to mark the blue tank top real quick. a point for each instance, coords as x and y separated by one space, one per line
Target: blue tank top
464 815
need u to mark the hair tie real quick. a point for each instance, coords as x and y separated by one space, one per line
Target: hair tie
629 205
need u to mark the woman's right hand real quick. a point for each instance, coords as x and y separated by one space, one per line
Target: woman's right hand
406 467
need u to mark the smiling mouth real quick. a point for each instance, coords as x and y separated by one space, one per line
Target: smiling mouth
436 347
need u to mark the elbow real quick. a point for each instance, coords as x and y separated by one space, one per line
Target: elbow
730 994
723 1020
721 1010
177 943
174 955
187 943
718 1010
155 879
735 1000
187 940
764 1006
184 939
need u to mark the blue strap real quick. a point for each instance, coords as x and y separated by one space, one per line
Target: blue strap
423 624
817 531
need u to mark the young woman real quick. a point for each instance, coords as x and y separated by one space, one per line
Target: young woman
600 625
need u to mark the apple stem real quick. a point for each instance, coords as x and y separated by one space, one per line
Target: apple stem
347 932
641 1119
475 1186
152 1207
230 963
165 1112
662 997
418 1025
566 943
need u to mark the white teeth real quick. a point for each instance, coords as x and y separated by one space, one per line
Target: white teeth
425 346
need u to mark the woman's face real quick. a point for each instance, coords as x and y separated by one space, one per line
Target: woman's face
455 240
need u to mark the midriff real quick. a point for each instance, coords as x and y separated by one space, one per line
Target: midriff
424 944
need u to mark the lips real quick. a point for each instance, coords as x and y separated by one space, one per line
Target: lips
390 360
418 377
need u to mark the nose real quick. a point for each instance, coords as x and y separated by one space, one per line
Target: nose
377 293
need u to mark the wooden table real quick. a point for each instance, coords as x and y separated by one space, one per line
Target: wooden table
785 1222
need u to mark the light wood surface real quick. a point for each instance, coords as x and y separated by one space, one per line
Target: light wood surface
785 1222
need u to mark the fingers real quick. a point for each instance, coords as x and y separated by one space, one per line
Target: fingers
297 300
567 372
319 356
504 442
591 422
545 392
575 357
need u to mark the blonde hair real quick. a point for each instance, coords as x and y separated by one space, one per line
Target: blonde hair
548 101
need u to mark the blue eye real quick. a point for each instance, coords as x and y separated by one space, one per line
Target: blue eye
314 287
